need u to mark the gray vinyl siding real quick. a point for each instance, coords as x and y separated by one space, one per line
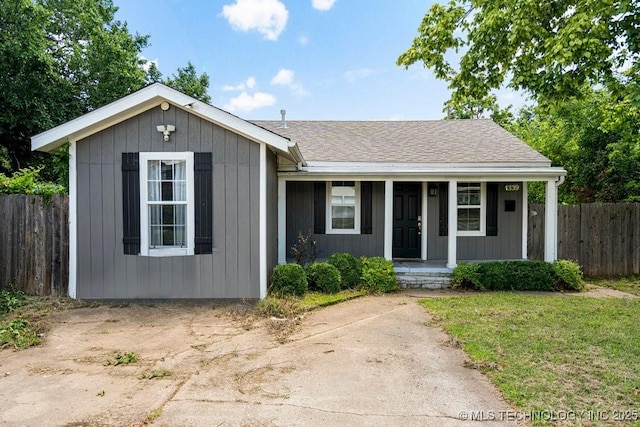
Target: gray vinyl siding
506 245
231 271
300 219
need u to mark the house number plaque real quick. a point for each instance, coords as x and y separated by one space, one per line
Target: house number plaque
512 187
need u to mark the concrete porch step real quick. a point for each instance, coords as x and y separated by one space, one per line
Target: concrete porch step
423 279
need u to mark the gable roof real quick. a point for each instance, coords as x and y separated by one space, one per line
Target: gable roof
417 142
149 97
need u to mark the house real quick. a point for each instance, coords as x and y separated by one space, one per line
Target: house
170 197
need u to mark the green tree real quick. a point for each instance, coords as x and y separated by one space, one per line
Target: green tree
550 49
188 82
596 138
60 59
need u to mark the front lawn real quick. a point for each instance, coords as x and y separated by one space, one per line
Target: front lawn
552 353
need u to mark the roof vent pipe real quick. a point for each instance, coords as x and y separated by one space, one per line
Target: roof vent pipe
283 122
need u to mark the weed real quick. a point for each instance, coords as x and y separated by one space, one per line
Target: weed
10 300
153 415
158 373
122 359
17 334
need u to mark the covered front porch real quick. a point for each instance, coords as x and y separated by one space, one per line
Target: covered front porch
414 218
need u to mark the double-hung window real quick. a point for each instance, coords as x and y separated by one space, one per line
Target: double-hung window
343 207
166 204
471 208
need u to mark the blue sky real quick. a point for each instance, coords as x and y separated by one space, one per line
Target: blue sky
318 59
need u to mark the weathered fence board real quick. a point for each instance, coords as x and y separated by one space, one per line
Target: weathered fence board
602 237
34 244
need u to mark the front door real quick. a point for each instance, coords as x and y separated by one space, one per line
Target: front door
407 211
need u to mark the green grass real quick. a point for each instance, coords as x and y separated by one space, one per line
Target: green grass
558 353
629 284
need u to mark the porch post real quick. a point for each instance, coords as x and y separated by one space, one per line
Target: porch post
551 221
453 224
282 221
388 219
525 219
423 235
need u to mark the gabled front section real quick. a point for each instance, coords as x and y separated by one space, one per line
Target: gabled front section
168 199
173 198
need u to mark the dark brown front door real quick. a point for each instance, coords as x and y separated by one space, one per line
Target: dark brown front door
407 208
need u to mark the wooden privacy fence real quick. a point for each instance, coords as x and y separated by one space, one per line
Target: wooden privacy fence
34 244
604 238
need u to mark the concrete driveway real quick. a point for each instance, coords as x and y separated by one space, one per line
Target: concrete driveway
371 361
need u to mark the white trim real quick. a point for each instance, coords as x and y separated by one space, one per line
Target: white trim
388 219
282 221
423 231
467 174
263 221
356 225
525 220
550 221
144 99
403 165
73 220
453 225
145 250
482 207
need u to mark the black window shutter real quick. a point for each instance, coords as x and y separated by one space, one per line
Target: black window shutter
492 209
443 208
366 207
203 193
131 203
319 207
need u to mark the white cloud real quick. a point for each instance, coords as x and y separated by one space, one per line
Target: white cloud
249 84
353 75
246 103
286 77
322 4
146 63
268 17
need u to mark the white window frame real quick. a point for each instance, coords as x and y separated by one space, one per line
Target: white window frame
483 210
145 250
329 228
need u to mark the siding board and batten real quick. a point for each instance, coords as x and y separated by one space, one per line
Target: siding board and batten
104 271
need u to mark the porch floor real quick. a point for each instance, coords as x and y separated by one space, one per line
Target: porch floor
420 266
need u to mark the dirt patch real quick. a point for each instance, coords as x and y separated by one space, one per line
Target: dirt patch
373 361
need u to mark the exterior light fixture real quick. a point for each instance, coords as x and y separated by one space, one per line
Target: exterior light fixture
433 190
166 131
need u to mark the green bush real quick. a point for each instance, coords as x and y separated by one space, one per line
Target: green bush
568 275
378 275
349 268
27 181
519 276
324 277
466 276
289 279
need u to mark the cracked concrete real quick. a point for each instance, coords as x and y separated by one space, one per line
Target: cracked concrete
371 361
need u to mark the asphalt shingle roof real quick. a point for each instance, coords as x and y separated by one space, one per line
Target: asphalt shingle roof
430 141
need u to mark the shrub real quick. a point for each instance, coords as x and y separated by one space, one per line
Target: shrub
378 275
568 275
28 181
517 276
10 300
324 277
349 268
289 279
466 276
305 250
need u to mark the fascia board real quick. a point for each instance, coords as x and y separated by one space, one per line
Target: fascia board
142 100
